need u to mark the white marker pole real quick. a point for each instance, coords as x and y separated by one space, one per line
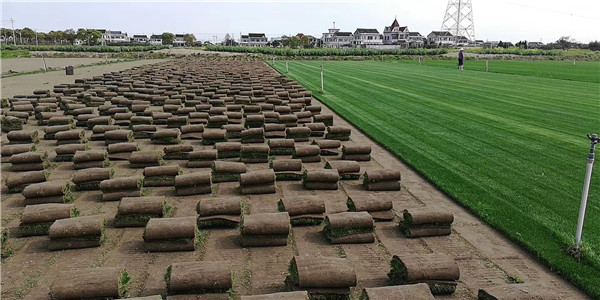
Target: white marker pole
573 61
273 60
322 86
586 189
486 65
286 66
419 60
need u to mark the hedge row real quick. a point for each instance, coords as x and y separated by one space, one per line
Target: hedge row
326 51
72 48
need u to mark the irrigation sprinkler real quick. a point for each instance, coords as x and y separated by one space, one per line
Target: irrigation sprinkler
586 188
322 89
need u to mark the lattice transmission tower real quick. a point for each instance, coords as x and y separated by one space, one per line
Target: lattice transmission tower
458 19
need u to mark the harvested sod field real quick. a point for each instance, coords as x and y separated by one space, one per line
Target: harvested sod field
510 148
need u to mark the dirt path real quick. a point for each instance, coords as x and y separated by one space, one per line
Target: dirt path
35 63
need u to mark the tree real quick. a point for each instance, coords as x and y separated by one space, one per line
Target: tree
28 35
305 42
70 35
276 43
189 39
82 35
594 46
167 38
294 42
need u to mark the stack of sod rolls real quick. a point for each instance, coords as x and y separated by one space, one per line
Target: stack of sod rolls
298 295
308 154
304 117
298 134
517 291
258 182
118 136
121 151
160 118
161 176
216 121
349 228
199 277
10 123
43 117
253 135
66 152
51 131
254 154
94 283
90 159
74 233
305 210
28 161
171 234
229 150
219 212
197 183
287 169
421 222
325 119
123 119
82 119
439 271
202 158
321 276
177 152
117 188
382 180
89 179
340 133
73 136
289 120
18 181
281 146
142 159
274 131
136 211
143 131
320 179
213 136
198 117
348 169
267 229
23 137
234 118
254 121
177 121
192 132
226 171
328 147
357 153
36 219
378 207
419 291
10 150
316 129
167 136
57 191
99 130
104 120
271 117
234 131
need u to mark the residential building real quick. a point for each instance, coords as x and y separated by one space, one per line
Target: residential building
156 39
441 38
367 36
254 40
395 34
179 40
117 37
535 45
461 40
490 44
140 38
327 37
313 41
416 40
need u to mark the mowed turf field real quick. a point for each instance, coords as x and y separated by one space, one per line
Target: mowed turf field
511 148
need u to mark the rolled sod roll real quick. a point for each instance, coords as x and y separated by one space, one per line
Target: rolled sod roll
28 157
326 119
298 134
348 169
253 135
202 159
166 136
271 117
18 181
73 233
225 171
254 153
281 146
234 131
219 212
228 149
254 121
121 151
89 179
338 133
66 152
36 219
298 295
174 152
358 153
143 131
288 120
50 131
154 297
24 167
322 277
307 154
10 150
316 129
422 222
177 121
349 228
161 176
92 155
140 120
439 271
216 121
171 234
118 136
320 179
197 183
303 210
117 188
328 147
213 136
13 122
23 137
287 169
522 291
379 208
105 120
419 291
94 283
199 277
304 117
268 229
61 120
74 136
192 131
142 159
258 182
137 211
57 191
382 180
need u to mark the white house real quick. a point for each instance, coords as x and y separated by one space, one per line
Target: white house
117 37
327 37
441 38
140 38
179 40
254 40
396 34
155 39
367 36
416 40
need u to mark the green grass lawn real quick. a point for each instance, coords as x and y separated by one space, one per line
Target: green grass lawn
14 53
511 148
588 71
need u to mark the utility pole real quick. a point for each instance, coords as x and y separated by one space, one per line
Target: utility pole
12 22
36 39
215 39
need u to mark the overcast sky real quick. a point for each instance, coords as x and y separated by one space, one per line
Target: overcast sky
512 20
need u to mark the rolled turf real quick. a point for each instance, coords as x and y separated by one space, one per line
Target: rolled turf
440 272
349 228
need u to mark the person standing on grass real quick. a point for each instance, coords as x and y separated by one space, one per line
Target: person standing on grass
461 57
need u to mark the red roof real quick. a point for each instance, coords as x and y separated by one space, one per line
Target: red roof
394 24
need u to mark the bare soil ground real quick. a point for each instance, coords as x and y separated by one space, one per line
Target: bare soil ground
484 256
36 64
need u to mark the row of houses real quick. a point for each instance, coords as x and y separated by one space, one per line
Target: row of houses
117 37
